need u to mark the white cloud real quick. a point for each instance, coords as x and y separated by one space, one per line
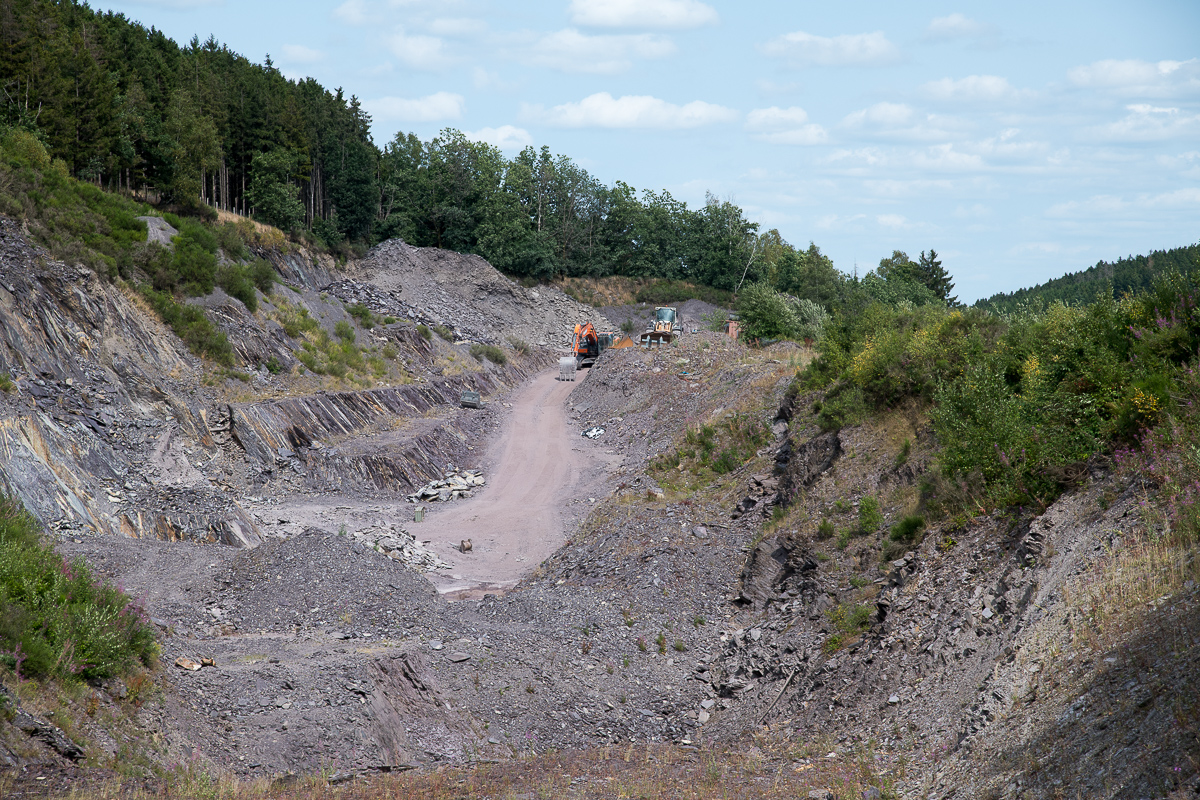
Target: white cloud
457 26
974 88
602 110
856 162
1114 206
432 108
974 211
860 49
642 13
945 157
775 117
419 52
883 115
785 126
907 189
901 121
352 12
956 26
1145 123
569 50
896 222
804 135
506 137
1186 164
838 222
1131 76
299 54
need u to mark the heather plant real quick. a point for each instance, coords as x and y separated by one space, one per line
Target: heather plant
56 618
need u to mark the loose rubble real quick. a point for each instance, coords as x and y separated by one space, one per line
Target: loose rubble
453 484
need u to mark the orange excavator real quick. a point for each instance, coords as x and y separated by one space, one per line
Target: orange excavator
590 343
587 345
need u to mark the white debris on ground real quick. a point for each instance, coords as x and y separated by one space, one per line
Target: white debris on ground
400 545
594 432
456 483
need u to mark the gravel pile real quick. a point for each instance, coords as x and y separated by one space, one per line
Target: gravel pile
468 295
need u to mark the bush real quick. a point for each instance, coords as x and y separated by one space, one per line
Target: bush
363 315
811 320
826 529
238 281
444 332
344 331
766 314
426 334
488 351
56 620
870 517
192 326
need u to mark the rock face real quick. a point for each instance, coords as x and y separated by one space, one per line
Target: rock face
109 425
467 294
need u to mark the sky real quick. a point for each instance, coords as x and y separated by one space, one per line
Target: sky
1020 140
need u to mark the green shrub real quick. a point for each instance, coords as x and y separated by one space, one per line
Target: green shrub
444 332
230 240
848 621
628 325
905 535
426 334
191 325
344 331
363 315
263 275
519 345
488 351
826 529
56 619
237 281
870 517
766 314
6 383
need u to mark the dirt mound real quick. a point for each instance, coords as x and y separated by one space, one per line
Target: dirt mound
469 295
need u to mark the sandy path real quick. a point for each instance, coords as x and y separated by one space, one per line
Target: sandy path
534 466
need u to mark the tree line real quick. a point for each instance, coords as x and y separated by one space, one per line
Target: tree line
1113 279
198 127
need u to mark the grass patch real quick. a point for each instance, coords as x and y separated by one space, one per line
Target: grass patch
56 619
848 621
444 332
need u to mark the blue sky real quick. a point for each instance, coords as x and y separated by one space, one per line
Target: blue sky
1021 140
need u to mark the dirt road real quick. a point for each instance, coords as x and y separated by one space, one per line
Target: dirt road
537 468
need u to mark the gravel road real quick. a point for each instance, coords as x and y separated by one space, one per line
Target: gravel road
536 465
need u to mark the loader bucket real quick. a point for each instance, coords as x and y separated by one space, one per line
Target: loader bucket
567 365
651 339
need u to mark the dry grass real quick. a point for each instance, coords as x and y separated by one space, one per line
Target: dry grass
1115 595
621 771
611 291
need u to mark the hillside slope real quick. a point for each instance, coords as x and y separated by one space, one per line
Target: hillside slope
732 582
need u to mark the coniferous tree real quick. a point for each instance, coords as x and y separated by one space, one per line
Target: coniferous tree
931 273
